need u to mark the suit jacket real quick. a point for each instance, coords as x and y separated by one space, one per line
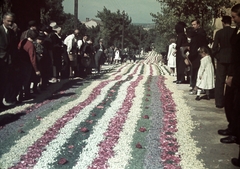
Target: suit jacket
194 45
97 47
222 47
235 59
6 42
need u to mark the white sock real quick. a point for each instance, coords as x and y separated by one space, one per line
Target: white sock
198 92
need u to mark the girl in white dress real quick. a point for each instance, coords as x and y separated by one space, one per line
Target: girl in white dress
117 57
205 77
171 57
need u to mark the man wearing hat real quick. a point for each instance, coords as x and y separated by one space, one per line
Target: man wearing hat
222 52
32 26
57 50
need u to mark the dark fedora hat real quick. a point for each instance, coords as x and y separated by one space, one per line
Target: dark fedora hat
41 36
32 23
47 29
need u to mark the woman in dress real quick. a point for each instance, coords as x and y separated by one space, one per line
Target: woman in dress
117 57
181 40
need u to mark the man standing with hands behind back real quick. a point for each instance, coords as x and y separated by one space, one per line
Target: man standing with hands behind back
6 36
233 81
222 51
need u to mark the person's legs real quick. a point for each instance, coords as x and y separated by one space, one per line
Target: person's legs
229 98
198 94
221 73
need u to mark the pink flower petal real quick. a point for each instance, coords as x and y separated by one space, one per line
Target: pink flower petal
62 161
142 129
84 130
138 145
146 117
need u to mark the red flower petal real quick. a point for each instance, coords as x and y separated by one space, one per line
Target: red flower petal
138 145
71 146
20 131
89 121
100 107
142 129
62 161
84 130
146 117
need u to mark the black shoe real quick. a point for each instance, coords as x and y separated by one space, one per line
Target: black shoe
175 81
28 97
228 140
235 162
198 98
225 132
206 97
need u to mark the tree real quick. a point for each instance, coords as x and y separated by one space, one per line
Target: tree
113 25
52 11
117 30
203 10
68 25
5 6
186 10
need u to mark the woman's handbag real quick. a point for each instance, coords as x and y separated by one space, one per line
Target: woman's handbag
86 61
184 51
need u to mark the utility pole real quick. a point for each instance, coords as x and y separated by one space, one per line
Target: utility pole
75 13
123 29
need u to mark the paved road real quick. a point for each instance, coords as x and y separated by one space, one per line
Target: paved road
206 117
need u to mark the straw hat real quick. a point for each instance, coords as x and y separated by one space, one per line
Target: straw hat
55 27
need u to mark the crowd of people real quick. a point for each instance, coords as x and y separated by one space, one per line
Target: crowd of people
33 59
211 68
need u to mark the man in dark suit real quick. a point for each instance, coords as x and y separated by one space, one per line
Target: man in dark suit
6 37
222 51
99 56
233 81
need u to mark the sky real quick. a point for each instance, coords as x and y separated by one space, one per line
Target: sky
138 10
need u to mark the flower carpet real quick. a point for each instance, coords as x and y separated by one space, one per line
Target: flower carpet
131 118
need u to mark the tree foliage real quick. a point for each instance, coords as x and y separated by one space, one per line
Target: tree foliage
117 25
173 11
68 25
52 10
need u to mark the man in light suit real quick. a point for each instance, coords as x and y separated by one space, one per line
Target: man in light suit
6 39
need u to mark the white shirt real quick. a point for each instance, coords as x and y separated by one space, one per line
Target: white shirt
6 30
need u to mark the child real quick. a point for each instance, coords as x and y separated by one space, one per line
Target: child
205 77
171 57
